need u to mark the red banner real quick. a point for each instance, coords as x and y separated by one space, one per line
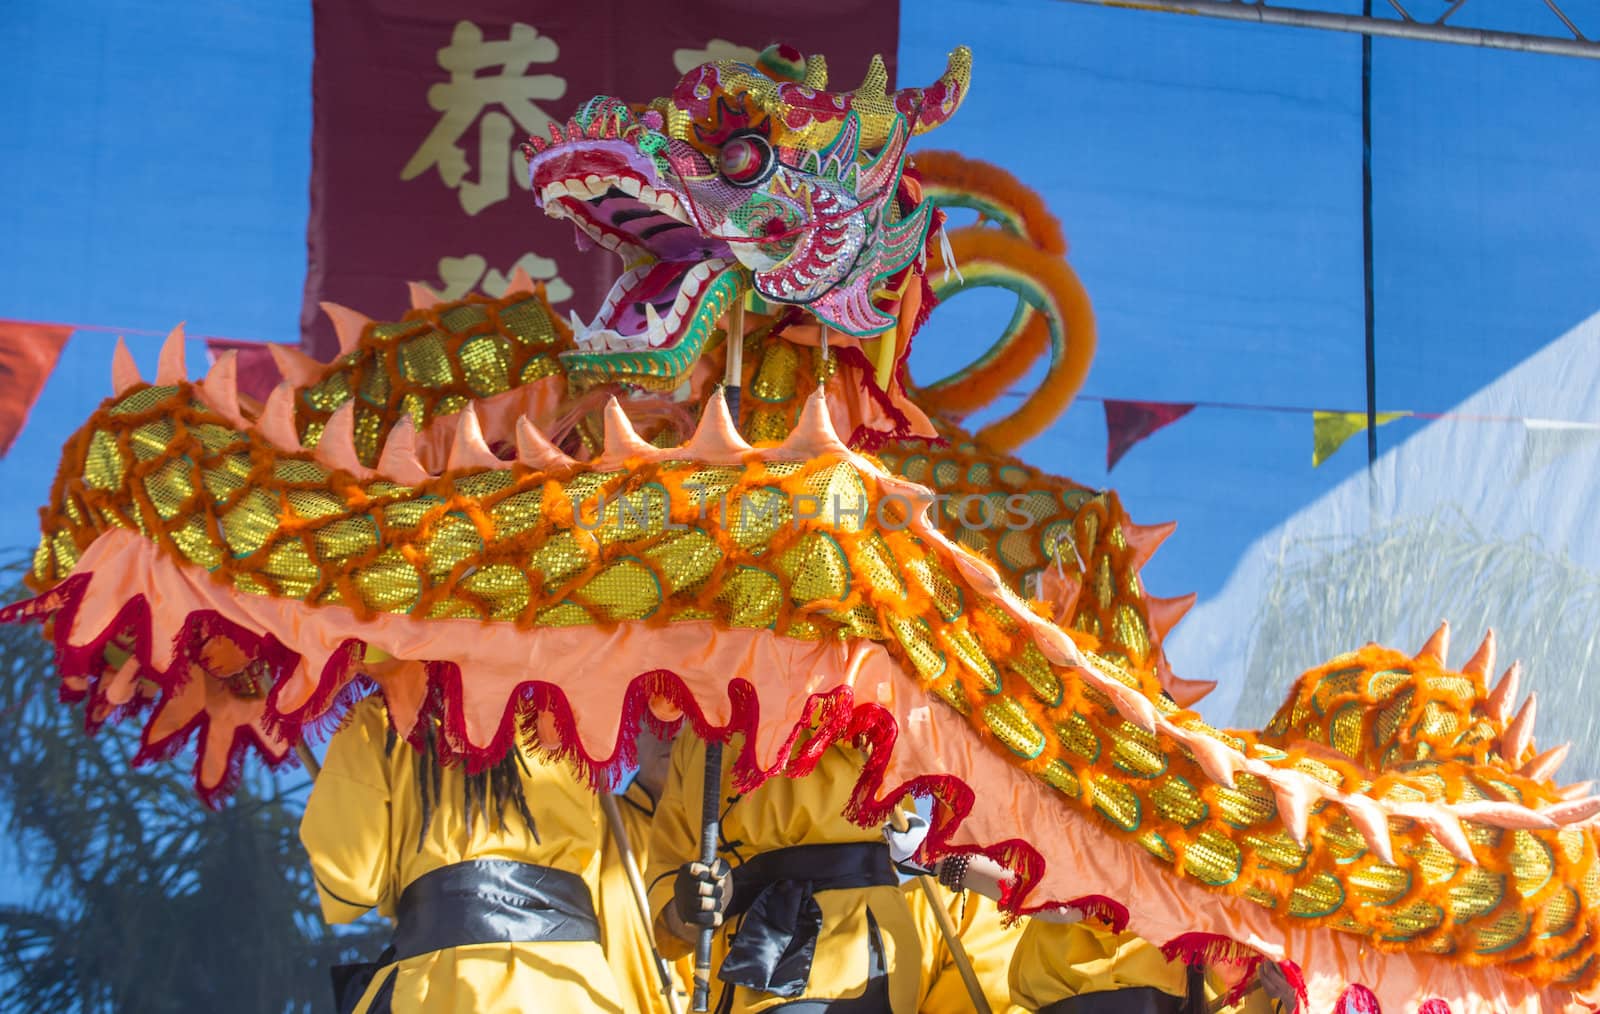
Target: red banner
28 354
420 108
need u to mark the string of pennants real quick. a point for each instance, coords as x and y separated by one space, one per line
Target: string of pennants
1129 422
29 351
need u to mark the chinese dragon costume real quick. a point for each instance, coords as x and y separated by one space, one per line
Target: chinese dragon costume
513 525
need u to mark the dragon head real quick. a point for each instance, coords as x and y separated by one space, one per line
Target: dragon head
748 182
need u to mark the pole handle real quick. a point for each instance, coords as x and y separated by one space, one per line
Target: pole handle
710 832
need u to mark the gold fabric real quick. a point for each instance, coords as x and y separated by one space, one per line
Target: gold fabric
362 827
1056 960
988 941
781 813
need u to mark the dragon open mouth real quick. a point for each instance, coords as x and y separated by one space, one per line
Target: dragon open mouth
677 282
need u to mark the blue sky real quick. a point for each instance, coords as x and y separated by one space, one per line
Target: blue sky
1207 174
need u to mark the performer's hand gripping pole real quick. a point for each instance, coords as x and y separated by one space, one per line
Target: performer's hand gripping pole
710 831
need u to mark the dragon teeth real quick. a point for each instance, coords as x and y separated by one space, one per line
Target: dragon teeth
629 186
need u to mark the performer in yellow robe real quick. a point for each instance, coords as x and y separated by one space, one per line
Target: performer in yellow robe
984 935
387 827
628 941
784 836
1084 968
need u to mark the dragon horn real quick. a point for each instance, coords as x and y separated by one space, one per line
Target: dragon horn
930 107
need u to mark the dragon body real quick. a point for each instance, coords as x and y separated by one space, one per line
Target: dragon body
512 525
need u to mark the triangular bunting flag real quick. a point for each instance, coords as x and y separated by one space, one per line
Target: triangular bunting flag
1546 440
1128 422
258 371
28 354
1330 430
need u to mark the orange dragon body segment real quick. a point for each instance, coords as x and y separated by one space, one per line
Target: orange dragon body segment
511 526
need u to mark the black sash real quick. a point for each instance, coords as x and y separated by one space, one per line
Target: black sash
772 950
480 901
1133 1000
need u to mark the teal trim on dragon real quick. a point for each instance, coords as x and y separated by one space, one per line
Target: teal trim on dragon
661 369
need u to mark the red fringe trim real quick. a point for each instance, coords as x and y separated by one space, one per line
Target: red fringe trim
1113 914
830 717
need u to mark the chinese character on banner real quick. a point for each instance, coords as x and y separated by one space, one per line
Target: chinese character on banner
417 173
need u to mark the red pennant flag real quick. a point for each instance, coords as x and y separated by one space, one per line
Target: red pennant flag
1128 422
28 354
258 371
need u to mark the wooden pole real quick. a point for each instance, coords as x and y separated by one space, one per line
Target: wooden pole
641 900
733 373
952 939
308 759
947 929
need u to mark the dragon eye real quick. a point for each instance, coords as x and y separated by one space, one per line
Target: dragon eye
744 159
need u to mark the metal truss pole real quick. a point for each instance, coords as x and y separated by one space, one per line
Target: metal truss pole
1405 27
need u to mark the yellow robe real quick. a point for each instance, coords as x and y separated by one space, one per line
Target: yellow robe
984 935
361 829
1057 960
781 813
627 940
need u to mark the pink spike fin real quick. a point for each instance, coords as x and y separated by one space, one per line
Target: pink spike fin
1165 613
399 461
1438 647
1146 539
1294 797
277 421
172 369
337 446
622 441
535 450
1481 664
124 371
1518 737
296 367
422 297
1512 816
1577 790
716 440
1573 811
1498 704
1543 768
220 389
1443 825
469 449
1372 821
813 435
348 324
520 282
1216 758
1185 693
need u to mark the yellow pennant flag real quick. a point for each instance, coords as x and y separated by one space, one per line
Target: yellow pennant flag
1329 430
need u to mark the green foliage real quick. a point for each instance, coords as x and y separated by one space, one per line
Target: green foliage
1394 584
141 901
